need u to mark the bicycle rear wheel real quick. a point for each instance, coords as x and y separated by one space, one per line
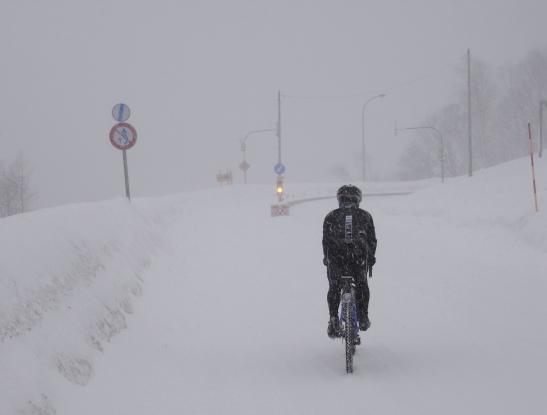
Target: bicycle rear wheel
349 337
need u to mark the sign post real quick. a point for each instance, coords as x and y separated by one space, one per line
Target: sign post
282 209
123 136
126 175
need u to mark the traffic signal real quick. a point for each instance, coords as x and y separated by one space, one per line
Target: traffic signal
279 187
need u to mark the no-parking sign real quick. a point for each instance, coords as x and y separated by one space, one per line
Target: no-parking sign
123 136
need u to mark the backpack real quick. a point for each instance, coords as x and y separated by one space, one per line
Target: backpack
346 242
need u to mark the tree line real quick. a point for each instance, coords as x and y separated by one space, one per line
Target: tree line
16 194
503 102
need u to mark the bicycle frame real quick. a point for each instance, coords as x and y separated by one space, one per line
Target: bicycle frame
348 297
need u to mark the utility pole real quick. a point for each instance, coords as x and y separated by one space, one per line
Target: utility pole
469 112
279 168
279 126
541 104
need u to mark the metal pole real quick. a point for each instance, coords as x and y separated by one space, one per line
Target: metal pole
363 125
469 112
126 175
279 126
244 146
533 170
541 104
252 132
540 127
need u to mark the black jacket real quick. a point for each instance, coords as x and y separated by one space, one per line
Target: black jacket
349 237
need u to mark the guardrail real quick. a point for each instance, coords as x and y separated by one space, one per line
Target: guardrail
311 199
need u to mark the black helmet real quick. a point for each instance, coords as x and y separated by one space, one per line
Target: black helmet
349 193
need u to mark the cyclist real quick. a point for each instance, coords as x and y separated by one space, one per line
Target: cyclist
349 248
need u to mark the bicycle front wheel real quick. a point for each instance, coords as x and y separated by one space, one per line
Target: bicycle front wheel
349 337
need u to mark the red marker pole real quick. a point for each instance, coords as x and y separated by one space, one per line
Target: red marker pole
533 170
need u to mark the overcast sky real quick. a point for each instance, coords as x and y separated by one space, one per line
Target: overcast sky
198 76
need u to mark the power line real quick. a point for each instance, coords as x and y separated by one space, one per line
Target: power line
379 90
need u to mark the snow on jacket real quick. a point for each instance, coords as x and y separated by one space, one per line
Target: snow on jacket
349 237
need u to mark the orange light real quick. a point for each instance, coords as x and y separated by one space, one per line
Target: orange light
279 187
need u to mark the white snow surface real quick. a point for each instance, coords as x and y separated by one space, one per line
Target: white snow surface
202 303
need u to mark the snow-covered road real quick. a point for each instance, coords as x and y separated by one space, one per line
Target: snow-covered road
232 316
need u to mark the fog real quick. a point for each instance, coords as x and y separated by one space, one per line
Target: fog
198 76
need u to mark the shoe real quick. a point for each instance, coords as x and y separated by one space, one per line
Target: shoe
333 330
364 324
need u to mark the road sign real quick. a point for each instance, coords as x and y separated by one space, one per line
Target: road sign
225 177
121 112
279 168
244 166
123 136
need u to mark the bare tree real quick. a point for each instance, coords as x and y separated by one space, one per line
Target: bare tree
417 162
16 193
502 106
340 172
431 151
524 86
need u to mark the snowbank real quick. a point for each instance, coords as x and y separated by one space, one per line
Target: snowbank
68 277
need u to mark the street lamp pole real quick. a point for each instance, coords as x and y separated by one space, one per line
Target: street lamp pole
244 147
363 125
442 145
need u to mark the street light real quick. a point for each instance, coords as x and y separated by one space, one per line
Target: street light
244 166
442 146
541 105
363 119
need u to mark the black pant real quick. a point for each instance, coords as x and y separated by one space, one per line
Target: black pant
362 292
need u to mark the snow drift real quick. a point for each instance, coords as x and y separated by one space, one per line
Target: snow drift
457 303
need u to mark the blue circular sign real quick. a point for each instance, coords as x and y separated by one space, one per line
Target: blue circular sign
121 112
279 168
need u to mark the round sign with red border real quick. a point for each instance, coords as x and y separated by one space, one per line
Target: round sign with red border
123 136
